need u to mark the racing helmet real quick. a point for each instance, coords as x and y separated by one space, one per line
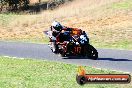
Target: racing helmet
57 26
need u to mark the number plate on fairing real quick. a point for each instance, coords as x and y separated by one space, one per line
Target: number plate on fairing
77 49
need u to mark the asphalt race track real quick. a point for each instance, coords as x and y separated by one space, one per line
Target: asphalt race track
108 58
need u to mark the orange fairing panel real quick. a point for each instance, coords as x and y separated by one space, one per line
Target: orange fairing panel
76 31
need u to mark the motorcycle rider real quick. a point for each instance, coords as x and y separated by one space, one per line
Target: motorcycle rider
57 28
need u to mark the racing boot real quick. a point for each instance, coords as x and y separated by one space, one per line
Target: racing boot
54 47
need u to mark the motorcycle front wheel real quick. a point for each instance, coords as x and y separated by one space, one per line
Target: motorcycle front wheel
91 52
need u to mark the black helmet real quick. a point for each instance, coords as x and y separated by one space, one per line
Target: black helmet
57 26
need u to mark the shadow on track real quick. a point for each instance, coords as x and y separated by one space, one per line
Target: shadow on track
75 57
113 59
99 59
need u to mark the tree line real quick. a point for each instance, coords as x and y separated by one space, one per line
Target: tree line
14 5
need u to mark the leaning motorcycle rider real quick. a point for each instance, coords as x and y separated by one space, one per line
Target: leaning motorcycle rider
57 28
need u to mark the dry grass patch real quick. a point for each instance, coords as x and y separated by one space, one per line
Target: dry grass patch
106 25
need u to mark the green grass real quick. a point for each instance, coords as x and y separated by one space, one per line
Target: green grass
27 73
121 44
44 40
5 19
126 4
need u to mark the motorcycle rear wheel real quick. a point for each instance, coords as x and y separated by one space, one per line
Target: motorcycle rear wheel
62 53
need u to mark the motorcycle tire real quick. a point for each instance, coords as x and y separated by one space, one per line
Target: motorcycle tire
91 52
63 54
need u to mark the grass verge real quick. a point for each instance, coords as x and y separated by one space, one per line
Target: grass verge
126 4
108 23
122 44
27 73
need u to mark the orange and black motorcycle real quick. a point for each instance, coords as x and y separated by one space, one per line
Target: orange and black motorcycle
73 43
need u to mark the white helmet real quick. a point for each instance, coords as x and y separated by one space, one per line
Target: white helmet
57 26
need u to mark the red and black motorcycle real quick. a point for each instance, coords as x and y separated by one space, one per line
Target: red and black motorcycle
73 43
